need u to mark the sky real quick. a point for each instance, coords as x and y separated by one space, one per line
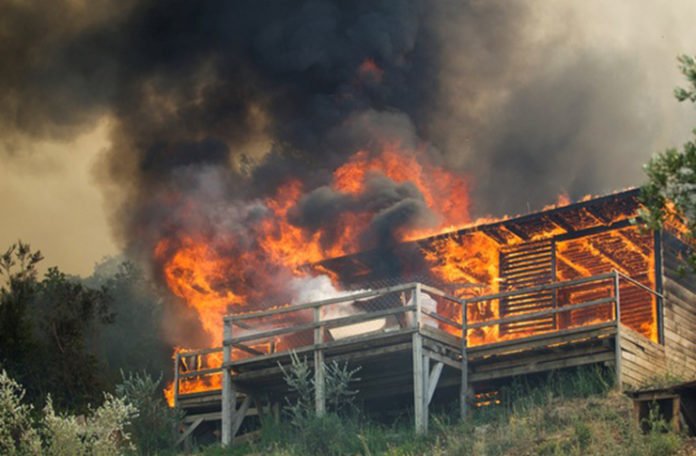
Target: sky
584 88
50 199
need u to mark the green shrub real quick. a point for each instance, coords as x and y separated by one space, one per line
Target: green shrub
101 432
154 429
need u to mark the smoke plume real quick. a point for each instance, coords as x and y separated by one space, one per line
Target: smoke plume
216 108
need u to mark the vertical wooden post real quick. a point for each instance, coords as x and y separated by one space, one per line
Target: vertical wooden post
229 396
426 388
319 380
418 390
464 387
617 338
177 362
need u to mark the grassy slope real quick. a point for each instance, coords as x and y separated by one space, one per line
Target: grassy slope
571 414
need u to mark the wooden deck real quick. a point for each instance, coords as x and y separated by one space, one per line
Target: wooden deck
414 351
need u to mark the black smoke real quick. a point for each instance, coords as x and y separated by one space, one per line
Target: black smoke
213 105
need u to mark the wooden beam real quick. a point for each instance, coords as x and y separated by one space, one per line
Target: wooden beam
319 374
551 286
419 410
189 430
543 313
418 396
229 395
432 381
426 387
464 386
617 338
444 359
310 305
240 414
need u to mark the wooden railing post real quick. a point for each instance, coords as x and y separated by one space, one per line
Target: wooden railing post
177 362
617 338
418 386
464 387
319 374
229 397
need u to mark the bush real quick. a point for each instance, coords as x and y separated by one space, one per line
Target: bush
154 429
16 433
102 432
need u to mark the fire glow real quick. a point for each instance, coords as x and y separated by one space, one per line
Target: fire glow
214 277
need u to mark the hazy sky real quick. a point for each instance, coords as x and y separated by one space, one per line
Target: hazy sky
49 199
617 58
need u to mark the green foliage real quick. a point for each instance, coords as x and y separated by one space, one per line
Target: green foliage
339 396
101 432
299 377
45 328
16 433
670 193
154 429
687 65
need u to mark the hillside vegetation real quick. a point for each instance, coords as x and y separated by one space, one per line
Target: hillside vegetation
576 413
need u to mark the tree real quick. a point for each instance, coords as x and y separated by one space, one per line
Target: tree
135 340
670 193
45 328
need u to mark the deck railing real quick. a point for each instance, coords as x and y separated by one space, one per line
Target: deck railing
316 326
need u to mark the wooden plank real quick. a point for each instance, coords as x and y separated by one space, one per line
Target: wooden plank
188 431
347 298
525 343
432 381
464 369
513 360
442 319
552 286
229 397
544 313
240 414
378 336
523 370
418 409
200 373
444 359
440 336
617 337
319 374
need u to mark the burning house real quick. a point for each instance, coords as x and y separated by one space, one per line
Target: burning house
460 313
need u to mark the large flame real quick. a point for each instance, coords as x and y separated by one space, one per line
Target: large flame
217 276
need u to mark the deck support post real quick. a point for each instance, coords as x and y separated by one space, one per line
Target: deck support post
177 363
418 387
229 396
426 387
419 409
617 337
319 374
464 387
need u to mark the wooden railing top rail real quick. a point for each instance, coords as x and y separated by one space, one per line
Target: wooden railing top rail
549 286
337 300
540 314
639 285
